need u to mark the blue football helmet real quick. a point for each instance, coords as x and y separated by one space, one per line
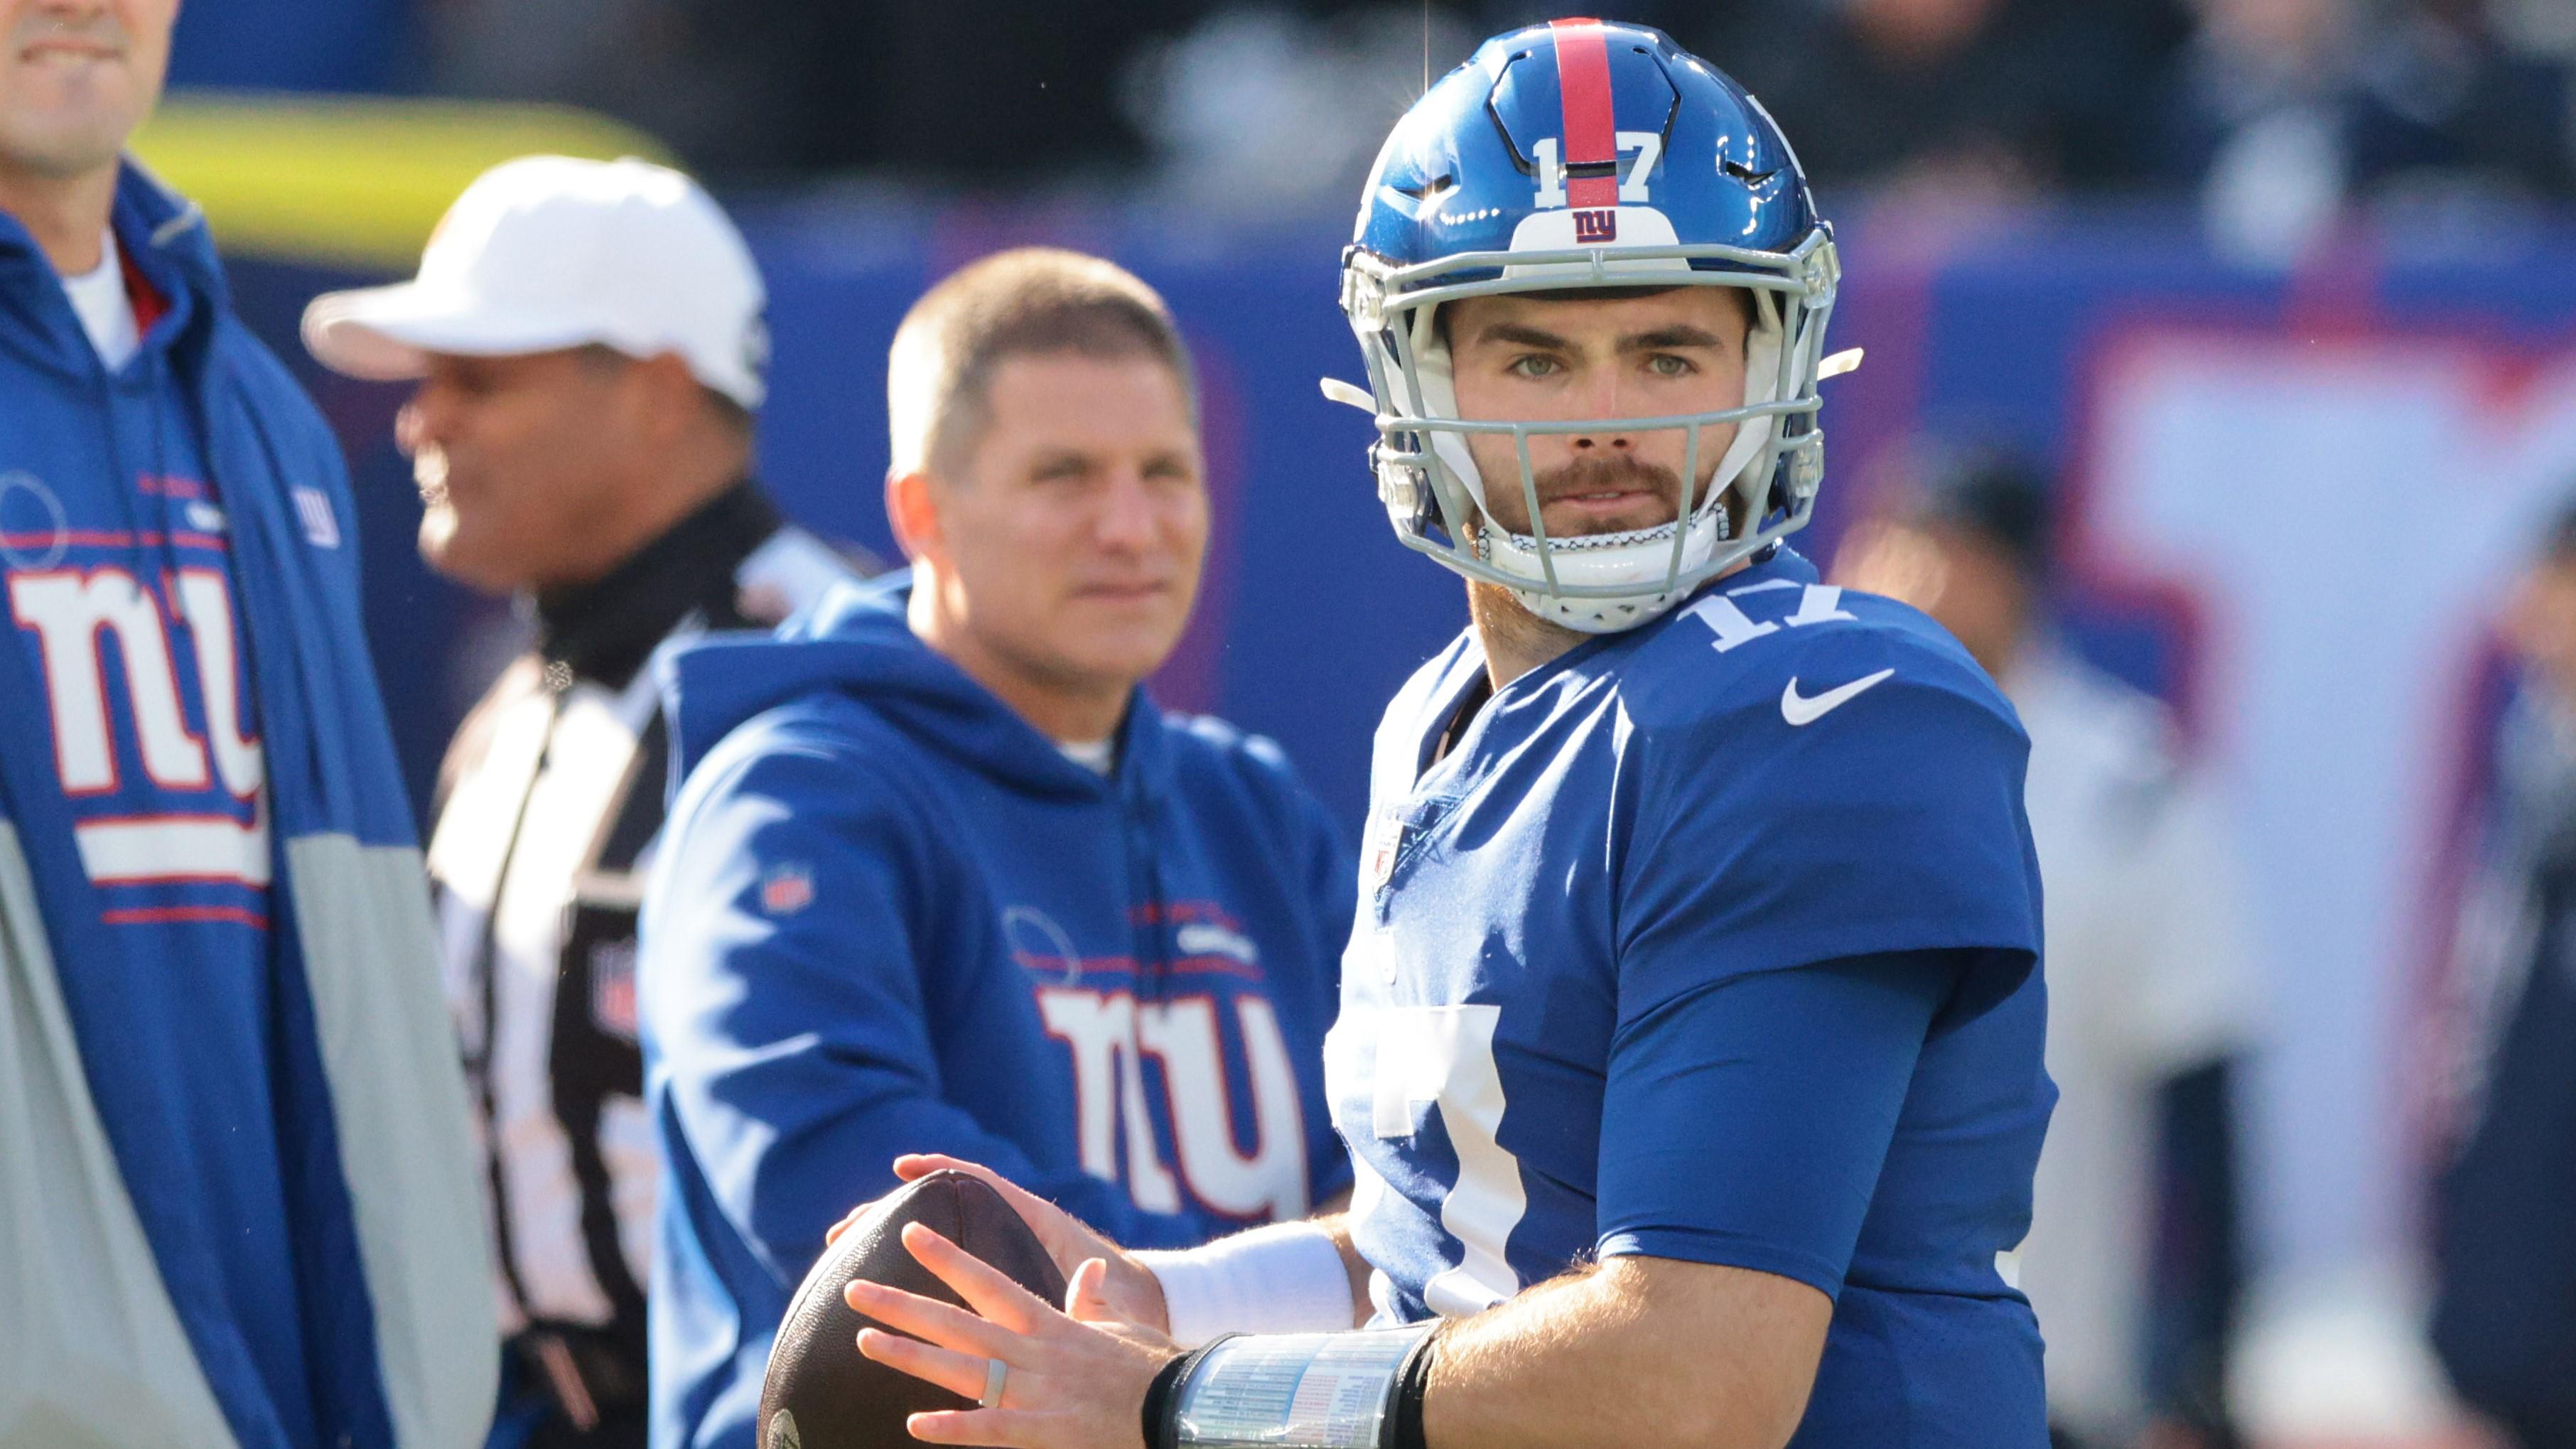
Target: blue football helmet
1589 154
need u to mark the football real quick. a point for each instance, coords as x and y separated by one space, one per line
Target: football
820 1392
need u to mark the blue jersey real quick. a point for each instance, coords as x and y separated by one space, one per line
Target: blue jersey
1714 940
889 916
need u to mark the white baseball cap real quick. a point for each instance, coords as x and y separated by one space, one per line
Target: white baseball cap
548 252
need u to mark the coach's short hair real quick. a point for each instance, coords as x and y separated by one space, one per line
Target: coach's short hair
1031 300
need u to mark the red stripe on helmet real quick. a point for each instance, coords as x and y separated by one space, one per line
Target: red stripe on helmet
1591 133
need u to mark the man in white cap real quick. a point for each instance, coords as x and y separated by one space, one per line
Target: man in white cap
588 342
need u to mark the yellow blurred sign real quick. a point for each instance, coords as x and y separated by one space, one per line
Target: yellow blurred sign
352 181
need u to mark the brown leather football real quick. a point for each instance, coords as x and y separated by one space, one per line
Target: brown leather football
820 1392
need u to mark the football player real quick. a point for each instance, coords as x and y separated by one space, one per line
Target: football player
1690 1038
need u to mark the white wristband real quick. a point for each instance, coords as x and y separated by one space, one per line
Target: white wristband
1285 1278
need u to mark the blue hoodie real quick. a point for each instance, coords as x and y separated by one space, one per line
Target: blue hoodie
235 1192
888 916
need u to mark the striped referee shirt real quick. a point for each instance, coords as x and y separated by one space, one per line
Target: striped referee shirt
549 800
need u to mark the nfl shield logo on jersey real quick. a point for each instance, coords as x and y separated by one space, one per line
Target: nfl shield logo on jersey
787 889
612 988
1379 845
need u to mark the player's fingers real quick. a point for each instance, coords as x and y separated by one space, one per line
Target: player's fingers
944 1324
833 1233
961 1374
913 1165
984 1287
1086 1299
1003 1428
1040 1214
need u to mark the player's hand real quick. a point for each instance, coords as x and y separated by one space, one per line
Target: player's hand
1076 1379
1129 1292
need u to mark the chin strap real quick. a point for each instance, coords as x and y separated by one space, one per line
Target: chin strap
1354 1390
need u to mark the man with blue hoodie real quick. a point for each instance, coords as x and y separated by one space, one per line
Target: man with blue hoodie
940 878
236 1201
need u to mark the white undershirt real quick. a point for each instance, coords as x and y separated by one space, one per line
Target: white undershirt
1097 756
106 313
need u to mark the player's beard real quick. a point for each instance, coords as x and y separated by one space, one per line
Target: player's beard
1509 624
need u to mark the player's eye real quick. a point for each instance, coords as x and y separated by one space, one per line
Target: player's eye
1535 364
1670 364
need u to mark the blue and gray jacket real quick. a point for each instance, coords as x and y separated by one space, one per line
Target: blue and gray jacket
236 1192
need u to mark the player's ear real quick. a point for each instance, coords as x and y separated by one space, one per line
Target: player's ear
912 511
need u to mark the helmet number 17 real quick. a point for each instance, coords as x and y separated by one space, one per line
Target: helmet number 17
1549 155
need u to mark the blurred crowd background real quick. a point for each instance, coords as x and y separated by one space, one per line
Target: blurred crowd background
2277 298
2271 113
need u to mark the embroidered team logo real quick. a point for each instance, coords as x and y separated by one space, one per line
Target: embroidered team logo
787 888
321 525
1038 943
35 531
1206 938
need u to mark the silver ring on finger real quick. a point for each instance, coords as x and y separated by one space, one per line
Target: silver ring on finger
995 1372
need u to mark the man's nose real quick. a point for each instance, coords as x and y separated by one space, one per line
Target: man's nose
1126 520
419 424
427 420
1599 398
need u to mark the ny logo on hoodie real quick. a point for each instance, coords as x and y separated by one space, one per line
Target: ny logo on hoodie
74 614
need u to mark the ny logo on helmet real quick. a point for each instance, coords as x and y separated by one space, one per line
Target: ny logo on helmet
1596 227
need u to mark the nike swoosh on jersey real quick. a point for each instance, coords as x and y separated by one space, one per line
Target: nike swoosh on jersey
1799 710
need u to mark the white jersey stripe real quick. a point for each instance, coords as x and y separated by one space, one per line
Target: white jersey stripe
174 848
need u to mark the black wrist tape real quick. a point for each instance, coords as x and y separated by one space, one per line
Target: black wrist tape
1404 1425
1163 1397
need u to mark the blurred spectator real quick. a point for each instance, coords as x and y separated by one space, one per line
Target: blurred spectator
1976 99
2133 1259
940 878
2545 28
593 455
236 1197
1261 109
2282 111
2504 1318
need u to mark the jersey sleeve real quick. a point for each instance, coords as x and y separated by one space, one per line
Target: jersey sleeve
1892 823
1791 1083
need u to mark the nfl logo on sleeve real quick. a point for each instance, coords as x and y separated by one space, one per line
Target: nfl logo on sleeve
313 509
787 889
